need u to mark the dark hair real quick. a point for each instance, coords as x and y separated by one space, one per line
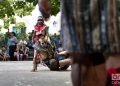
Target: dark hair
13 33
40 18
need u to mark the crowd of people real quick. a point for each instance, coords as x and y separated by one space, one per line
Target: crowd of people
15 50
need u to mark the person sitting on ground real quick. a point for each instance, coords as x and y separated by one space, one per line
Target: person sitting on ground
4 53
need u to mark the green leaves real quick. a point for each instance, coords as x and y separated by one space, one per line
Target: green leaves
19 5
20 25
12 20
0 27
5 9
32 1
23 7
6 23
15 7
22 36
9 8
55 6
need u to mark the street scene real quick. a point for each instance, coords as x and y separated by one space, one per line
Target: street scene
59 42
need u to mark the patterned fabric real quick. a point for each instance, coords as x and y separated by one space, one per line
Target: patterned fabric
38 29
44 46
46 52
89 26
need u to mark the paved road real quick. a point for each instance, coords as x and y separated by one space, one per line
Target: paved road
18 74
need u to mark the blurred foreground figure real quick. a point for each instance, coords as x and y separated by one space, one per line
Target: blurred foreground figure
90 34
45 8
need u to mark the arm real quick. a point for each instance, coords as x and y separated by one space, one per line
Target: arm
33 36
16 40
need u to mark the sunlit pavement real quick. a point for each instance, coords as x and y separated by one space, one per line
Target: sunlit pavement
18 74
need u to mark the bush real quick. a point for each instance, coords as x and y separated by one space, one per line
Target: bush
2 40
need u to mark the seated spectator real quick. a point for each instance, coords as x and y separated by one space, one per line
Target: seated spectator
23 53
4 54
30 44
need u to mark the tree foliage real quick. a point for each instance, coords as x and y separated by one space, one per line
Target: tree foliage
5 9
23 7
22 36
55 6
10 8
6 23
20 25
16 7
12 20
0 27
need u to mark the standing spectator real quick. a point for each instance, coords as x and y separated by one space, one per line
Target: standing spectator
12 45
56 40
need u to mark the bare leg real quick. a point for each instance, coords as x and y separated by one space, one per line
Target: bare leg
94 73
34 66
65 62
34 62
76 75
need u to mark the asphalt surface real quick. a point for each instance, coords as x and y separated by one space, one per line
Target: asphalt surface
18 74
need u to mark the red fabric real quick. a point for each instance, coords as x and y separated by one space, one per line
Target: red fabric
37 29
24 51
113 71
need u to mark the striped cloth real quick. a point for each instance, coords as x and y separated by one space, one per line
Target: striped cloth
89 26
